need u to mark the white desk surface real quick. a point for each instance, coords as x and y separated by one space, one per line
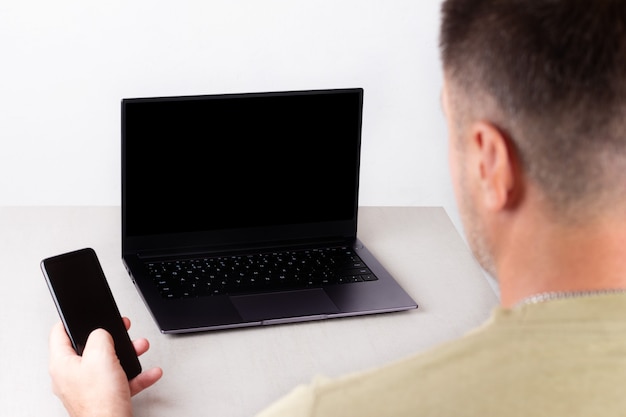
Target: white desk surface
234 372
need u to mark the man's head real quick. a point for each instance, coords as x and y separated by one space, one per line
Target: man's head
549 77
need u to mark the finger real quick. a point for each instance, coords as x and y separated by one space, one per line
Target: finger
126 321
141 346
144 380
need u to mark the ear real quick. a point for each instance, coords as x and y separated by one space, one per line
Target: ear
495 166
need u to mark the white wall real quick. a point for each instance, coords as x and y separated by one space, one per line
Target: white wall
66 64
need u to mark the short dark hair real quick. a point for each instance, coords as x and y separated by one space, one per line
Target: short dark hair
555 71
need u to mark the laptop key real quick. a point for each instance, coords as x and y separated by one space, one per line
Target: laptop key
266 271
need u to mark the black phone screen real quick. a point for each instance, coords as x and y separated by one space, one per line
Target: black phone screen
85 303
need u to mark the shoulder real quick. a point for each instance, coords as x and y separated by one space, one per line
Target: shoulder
394 389
527 361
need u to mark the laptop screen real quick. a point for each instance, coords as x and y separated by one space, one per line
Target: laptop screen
198 164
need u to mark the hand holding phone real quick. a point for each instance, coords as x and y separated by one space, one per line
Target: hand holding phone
84 301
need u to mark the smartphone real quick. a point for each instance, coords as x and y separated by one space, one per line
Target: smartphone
84 301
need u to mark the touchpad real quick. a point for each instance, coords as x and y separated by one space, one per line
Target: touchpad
281 305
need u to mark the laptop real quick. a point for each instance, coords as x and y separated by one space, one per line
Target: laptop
241 210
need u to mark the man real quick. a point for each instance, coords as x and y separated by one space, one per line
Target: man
535 97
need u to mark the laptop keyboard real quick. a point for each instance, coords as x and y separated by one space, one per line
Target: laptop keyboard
271 271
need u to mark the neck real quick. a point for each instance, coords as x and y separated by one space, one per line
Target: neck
545 257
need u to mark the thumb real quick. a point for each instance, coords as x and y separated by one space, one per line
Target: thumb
99 343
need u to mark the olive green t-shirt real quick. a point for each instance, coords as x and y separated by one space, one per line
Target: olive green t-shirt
557 358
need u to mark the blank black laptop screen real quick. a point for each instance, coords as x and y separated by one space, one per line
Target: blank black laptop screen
203 163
